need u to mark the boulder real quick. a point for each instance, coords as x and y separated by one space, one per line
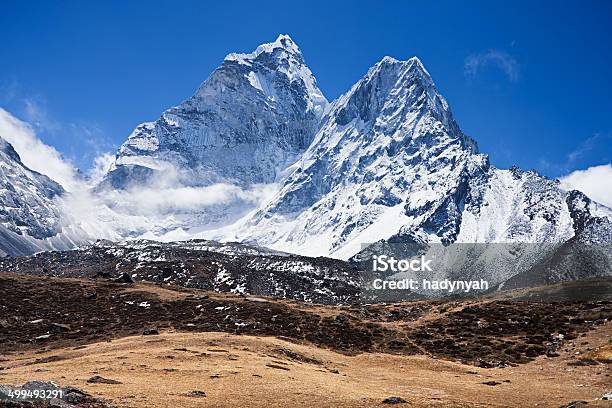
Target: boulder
394 400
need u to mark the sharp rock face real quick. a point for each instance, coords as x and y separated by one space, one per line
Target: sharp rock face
231 267
246 122
591 221
28 212
389 162
388 155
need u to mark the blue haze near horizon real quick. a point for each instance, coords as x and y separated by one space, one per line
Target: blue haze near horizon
529 81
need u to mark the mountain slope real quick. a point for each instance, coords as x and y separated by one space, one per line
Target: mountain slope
390 162
231 268
28 213
385 163
245 122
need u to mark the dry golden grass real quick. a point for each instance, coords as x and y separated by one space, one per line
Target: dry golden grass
247 371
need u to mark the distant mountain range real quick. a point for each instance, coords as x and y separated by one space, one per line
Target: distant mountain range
385 161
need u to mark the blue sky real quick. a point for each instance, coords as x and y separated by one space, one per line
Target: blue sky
530 82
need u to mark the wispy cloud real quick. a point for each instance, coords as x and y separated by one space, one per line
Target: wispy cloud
36 113
34 153
8 90
101 165
32 108
587 146
93 143
45 159
589 150
153 208
156 202
593 181
83 141
475 63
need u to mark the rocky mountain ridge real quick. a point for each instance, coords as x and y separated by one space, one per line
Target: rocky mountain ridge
386 162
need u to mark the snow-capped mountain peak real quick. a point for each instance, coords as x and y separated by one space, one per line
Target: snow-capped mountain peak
249 120
252 116
281 56
283 42
396 90
388 151
389 161
258 155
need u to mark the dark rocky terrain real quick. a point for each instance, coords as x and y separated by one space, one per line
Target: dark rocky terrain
48 322
230 268
41 312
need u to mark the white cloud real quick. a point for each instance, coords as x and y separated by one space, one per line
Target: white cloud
134 209
595 182
80 208
500 59
164 199
101 165
158 208
35 154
